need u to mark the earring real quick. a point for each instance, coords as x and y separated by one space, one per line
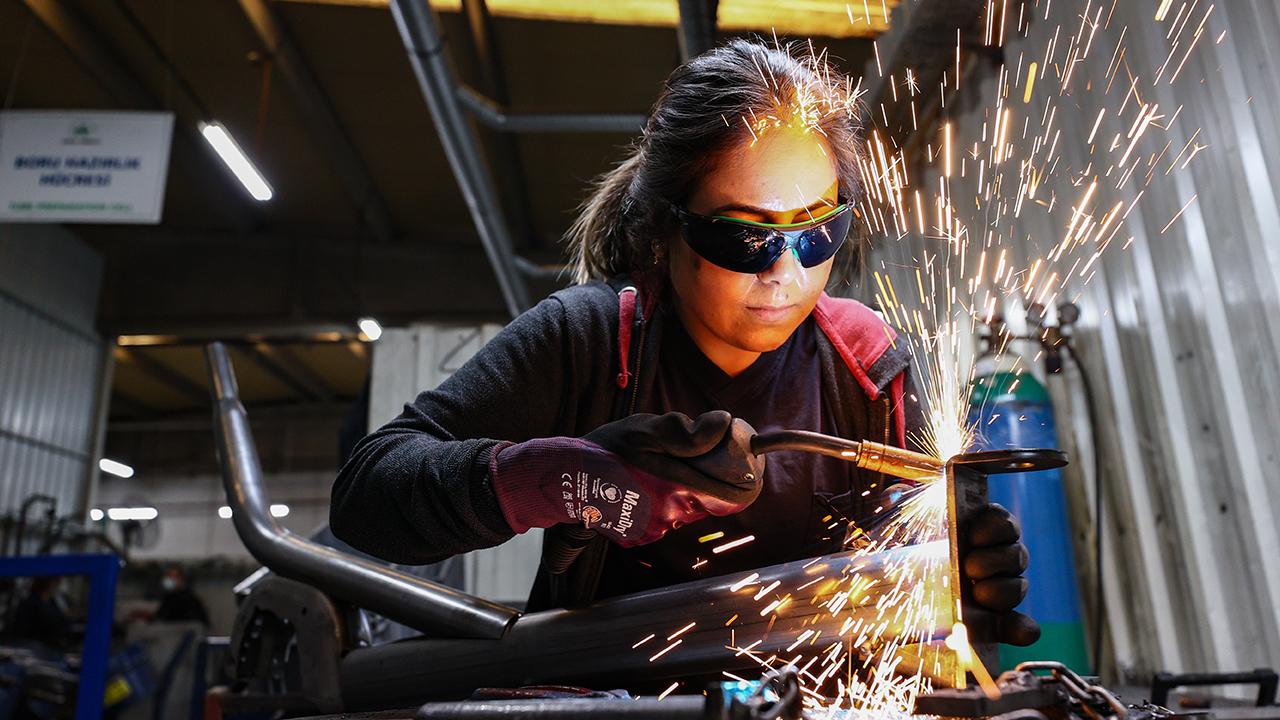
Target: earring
658 251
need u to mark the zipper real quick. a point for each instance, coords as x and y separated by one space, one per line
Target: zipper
888 426
888 419
635 386
590 573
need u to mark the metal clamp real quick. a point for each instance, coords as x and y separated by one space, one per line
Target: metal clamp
1087 693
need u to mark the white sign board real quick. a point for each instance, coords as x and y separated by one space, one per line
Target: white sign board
69 166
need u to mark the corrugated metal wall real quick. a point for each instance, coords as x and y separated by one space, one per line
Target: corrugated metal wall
1180 330
51 366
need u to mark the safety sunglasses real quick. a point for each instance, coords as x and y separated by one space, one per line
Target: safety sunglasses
746 246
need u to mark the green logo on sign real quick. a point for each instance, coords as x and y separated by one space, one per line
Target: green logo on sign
81 133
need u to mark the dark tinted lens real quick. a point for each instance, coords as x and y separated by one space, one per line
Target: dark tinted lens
817 245
740 248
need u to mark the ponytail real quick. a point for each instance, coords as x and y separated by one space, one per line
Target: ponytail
597 239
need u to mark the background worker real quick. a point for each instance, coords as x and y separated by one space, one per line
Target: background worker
701 262
178 602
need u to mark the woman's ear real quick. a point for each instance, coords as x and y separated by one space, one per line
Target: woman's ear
678 251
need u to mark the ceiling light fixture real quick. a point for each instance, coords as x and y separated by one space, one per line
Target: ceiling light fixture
132 513
114 467
370 329
225 145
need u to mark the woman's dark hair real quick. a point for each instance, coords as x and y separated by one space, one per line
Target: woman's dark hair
711 103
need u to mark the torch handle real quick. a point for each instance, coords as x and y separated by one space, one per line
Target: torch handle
872 456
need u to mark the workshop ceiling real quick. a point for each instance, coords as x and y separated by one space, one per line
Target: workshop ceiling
309 261
821 18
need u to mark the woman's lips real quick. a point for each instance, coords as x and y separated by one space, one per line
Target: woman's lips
771 313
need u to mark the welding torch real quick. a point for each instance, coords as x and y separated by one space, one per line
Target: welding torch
570 540
868 455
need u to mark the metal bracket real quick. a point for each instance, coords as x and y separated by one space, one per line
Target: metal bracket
288 639
966 477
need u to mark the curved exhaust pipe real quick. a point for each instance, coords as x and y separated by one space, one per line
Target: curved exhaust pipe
423 605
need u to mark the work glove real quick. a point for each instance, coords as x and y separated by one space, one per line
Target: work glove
994 564
632 480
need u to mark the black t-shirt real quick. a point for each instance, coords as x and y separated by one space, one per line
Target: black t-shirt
806 499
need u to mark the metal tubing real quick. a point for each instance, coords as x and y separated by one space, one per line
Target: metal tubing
425 44
697 30
679 707
594 645
495 116
423 605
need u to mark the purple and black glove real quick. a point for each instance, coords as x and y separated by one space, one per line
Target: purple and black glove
632 480
995 563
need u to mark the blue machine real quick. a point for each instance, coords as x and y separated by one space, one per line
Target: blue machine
101 570
1014 411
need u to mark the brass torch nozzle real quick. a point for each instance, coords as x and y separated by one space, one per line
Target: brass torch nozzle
897 462
872 456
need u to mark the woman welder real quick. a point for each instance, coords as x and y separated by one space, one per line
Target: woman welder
701 262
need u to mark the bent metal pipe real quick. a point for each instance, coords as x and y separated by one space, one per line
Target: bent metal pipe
418 603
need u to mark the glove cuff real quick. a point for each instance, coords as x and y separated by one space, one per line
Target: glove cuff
522 476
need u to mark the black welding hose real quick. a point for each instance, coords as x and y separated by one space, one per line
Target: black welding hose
1098 603
805 441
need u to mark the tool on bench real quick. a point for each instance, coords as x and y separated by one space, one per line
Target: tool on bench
776 696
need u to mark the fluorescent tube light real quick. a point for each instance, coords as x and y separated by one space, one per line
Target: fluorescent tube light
114 467
234 157
132 513
371 328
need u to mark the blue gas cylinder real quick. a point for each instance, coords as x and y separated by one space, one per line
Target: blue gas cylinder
1014 411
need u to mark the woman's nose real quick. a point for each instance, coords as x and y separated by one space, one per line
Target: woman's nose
785 270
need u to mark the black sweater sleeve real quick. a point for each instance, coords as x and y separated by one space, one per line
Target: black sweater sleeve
417 490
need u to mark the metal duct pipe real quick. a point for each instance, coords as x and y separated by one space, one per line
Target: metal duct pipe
423 605
697 28
592 646
495 116
426 47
